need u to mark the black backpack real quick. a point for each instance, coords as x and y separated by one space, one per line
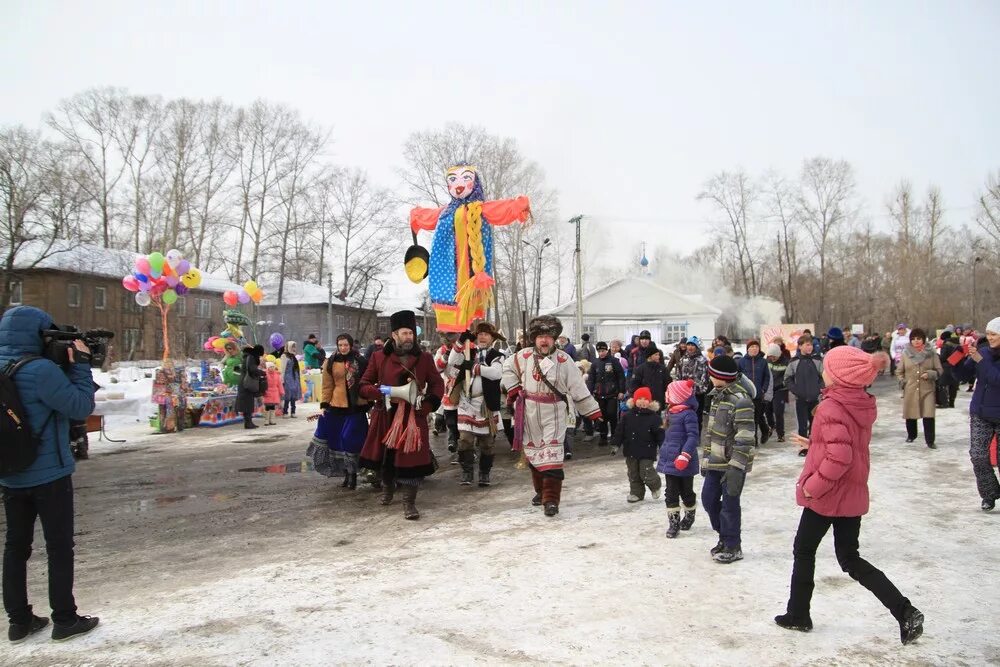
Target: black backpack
18 444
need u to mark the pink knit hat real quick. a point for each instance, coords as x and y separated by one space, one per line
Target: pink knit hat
851 367
679 391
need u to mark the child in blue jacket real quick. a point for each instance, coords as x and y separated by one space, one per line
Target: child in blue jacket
679 455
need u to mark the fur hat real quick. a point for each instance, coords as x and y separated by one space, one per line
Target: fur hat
403 319
544 325
774 350
271 366
722 367
680 391
851 367
487 328
642 392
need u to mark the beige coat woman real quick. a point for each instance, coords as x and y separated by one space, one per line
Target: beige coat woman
918 372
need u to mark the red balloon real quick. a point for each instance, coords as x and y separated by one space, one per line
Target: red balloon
230 298
130 283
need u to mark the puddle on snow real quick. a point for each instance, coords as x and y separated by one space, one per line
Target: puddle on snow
283 468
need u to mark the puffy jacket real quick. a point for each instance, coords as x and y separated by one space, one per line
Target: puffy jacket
640 431
730 435
51 396
653 376
836 469
695 368
804 376
606 377
275 391
778 369
682 436
755 368
986 398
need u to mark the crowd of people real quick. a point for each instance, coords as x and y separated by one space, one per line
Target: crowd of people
676 412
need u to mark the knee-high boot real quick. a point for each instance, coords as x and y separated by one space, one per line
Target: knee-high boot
388 488
536 480
409 492
929 432
551 492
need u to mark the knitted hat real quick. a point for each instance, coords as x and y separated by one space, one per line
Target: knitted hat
901 325
719 351
851 367
679 391
654 351
773 350
694 340
993 325
601 345
836 333
722 367
645 334
752 342
642 392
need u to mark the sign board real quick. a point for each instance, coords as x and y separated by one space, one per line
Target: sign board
858 329
788 332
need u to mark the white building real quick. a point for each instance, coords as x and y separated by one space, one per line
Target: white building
628 305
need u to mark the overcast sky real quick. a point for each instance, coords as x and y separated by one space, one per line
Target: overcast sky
628 107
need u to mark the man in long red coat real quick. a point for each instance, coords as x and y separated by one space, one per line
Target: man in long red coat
398 446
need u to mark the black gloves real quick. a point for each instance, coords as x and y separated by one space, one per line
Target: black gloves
467 336
324 406
732 481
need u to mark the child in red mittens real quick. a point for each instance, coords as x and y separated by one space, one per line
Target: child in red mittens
679 455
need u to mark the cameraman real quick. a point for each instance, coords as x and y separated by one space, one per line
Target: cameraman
52 395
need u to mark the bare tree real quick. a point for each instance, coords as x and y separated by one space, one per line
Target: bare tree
825 204
779 198
89 123
734 195
988 213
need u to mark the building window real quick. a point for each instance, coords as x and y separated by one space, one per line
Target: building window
73 295
590 328
202 339
674 332
180 306
133 341
383 326
202 308
128 303
341 323
100 298
16 292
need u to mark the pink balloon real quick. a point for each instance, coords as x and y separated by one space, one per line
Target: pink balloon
142 265
145 287
130 283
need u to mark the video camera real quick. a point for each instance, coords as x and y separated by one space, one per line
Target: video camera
59 339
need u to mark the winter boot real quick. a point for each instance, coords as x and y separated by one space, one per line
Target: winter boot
83 625
789 622
388 491
485 466
728 555
347 480
536 480
352 481
17 633
674 521
81 451
551 493
717 548
409 502
988 504
688 519
467 459
911 626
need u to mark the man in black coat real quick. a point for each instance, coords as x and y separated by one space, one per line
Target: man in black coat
606 381
653 375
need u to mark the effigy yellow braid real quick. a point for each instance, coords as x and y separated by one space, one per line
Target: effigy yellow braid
477 292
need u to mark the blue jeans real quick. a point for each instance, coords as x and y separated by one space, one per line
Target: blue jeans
723 509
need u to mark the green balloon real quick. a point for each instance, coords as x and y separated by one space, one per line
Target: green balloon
169 297
156 260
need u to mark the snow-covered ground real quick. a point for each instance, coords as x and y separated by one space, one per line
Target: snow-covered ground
492 581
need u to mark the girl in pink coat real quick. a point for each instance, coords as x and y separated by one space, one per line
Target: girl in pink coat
274 393
833 490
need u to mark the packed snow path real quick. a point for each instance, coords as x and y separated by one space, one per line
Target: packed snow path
190 562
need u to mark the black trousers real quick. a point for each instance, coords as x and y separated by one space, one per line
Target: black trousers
451 420
760 421
804 415
677 488
774 412
911 429
53 504
812 529
609 414
703 406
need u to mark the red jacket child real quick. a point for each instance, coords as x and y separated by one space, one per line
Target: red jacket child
275 387
835 474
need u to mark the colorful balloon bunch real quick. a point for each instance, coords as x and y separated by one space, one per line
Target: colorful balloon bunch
250 292
161 277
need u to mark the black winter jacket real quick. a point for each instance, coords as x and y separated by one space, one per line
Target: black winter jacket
654 376
606 378
640 432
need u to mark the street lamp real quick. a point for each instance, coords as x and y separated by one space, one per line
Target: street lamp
538 271
579 277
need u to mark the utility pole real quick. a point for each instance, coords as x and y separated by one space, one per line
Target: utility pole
329 311
579 279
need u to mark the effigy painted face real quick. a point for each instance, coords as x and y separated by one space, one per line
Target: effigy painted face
461 181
